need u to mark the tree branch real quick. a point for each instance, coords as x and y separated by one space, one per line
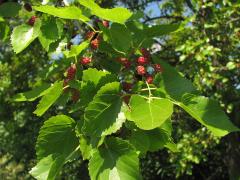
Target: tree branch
164 17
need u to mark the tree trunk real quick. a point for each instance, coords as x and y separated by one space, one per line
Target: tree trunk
233 150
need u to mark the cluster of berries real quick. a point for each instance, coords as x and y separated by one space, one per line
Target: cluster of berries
141 67
71 74
94 37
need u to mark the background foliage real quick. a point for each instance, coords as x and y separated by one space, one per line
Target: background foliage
205 51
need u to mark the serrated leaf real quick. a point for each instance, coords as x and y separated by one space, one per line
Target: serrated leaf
116 160
9 9
23 35
152 140
93 80
57 136
101 115
173 83
49 98
93 75
85 147
120 37
119 14
51 31
33 94
204 110
56 144
208 113
76 49
149 113
71 12
47 168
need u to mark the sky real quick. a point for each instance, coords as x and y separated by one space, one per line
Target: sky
154 8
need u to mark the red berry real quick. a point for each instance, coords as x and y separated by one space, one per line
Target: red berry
32 20
158 68
95 43
145 53
71 71
125 62
105 23
28 7
141 70
89 35
85 60
142 60
127 86
149 79
75 95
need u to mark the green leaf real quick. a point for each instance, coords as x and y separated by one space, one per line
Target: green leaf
204 110
47 168
93 80
102 116
23 35
33 94
85 147
208 113
151 113
57 137
51 31
71 12
119 14
56 144
9 9
116 160
152 140
173 83
4 31
76 49
93 75
120 37
160 30
49 98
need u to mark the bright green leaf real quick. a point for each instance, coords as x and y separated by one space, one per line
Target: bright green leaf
149 113
76 49
119 14
23 35
47 168
49 98
33 94
71 12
